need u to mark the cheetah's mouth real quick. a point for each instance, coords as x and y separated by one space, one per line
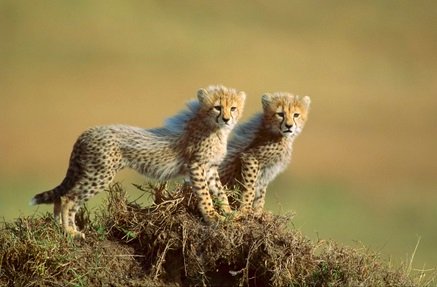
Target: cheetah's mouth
287 131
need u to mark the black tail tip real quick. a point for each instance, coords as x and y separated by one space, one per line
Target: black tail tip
44 197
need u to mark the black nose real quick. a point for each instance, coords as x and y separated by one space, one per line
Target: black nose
226 120
288 126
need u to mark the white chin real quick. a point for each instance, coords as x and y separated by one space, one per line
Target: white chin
225 126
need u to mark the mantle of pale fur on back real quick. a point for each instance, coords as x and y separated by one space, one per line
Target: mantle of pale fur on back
245 133
177 123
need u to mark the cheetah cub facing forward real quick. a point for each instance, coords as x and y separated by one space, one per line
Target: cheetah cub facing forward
191 143
261 147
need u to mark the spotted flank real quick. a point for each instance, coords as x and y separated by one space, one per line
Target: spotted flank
191 143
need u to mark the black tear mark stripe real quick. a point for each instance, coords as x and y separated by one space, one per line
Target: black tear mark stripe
217 118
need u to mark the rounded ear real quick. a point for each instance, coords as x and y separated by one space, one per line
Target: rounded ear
242 96
202 95
266 100
306 101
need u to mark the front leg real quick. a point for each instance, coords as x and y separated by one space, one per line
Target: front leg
249 177
258 203
216 187
199 184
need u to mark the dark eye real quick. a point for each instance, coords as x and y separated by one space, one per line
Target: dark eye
296 115
218 108
280 114
233 109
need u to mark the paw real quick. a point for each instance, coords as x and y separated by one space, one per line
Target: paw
227 210
214 217
242 213
70 232
249 211
258 212
245 209
230 216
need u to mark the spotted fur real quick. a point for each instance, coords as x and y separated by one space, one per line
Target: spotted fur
262 147
192 143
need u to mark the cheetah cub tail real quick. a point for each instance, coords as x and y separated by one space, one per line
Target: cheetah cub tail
44 198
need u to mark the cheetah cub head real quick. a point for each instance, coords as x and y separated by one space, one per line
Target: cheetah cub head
221 106
285 113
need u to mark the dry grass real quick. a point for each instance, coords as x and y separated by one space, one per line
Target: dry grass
168 244
369 67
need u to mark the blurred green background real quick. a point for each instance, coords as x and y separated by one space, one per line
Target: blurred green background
364 168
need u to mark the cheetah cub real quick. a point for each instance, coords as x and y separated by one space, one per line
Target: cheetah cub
262 147
192 143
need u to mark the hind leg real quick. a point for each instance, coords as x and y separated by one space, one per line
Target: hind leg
73 201
57 210
69 207
258 203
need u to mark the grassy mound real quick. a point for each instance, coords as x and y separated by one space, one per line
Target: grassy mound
167 244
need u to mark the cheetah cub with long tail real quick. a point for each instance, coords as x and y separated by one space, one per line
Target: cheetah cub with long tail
191 143
262 147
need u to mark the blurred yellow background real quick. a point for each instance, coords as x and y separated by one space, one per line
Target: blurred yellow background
364 169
